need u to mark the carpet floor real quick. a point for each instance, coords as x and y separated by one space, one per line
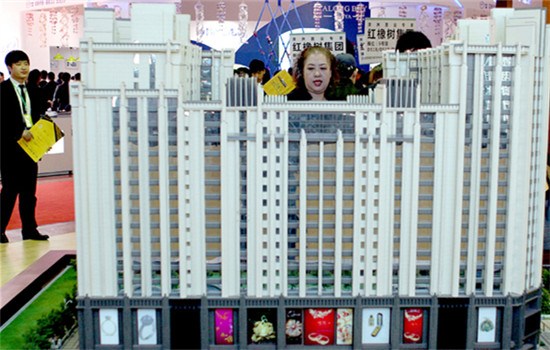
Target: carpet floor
55 202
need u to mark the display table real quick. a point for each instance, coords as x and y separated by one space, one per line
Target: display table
60 158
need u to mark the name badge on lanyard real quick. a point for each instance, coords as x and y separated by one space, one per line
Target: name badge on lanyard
28 119
25 107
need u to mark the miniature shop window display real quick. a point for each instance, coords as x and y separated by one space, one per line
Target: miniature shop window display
413 325
376 326
319 326
294 327
262 326
344 326
146 326
487 324
109 327
224 326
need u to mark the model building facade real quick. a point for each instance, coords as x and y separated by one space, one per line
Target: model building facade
211 216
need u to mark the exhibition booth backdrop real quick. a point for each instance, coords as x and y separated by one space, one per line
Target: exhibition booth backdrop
50 31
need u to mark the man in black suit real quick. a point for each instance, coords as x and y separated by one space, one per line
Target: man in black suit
61 97
19 110
49 88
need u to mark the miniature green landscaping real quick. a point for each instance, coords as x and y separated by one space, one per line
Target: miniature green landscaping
49 316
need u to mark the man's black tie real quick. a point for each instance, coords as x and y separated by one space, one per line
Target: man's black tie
23 98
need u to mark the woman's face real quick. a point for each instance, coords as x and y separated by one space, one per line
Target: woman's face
317 74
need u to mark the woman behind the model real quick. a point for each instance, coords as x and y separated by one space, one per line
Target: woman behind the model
316 75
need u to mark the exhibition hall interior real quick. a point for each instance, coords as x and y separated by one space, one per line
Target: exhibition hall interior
267 174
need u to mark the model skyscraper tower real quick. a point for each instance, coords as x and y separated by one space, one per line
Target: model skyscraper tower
204 205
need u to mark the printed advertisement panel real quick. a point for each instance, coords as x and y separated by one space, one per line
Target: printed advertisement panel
413 326
486 321
344 326
376 326
223 320
108 327
294 326
334 42
319 327
262 326
147 326
381 34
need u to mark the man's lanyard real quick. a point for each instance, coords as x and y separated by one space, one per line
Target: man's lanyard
24 102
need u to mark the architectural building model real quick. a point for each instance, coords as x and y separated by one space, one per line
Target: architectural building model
209 215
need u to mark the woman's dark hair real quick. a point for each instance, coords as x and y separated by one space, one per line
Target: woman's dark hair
412 41
15 56
298 70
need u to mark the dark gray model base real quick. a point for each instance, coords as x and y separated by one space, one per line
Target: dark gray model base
449 323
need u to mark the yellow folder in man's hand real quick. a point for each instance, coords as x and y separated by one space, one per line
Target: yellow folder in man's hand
45 133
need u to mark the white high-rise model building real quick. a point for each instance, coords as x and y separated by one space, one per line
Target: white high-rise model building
413 216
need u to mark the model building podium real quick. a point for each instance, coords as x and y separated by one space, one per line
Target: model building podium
210 215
